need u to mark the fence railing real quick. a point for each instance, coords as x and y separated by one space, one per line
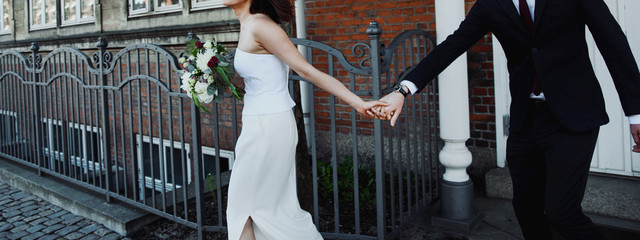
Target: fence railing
120 125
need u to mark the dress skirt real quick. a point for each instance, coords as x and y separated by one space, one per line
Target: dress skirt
263 181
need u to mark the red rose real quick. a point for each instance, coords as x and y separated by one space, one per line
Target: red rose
213 62
199 44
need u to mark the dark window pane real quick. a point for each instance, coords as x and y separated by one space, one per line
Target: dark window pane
58 144
177 172
4 125
146 160
76 139
45 134
93 148
210 164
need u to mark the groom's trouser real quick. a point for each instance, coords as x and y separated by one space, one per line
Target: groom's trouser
549 166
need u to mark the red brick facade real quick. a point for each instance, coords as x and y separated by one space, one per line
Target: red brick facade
341 23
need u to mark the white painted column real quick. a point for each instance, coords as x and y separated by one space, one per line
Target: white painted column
457 188
454 97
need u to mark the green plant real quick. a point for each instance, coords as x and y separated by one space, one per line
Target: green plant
210 183
345 170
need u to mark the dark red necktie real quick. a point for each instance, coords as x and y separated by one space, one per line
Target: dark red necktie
528 22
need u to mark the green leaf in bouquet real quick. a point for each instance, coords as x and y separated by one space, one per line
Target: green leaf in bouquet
207 71
211 90
220 48
234 92
196 101
191 47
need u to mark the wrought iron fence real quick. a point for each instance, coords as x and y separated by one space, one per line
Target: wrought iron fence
120 125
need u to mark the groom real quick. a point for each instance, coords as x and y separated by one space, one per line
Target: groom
557 105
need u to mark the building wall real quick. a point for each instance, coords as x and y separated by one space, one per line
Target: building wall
341 23
114 22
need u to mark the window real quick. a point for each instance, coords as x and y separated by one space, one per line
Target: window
143 7
205 4
53 140
86 147
8 127
170 169
42 14
84 144
209 159
5 21
78 12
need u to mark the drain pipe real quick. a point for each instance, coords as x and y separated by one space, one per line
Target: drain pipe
301 32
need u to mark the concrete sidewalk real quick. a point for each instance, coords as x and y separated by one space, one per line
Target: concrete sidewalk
500 223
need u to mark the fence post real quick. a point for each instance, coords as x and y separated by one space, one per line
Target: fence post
197 152
374 31
34 61
102 60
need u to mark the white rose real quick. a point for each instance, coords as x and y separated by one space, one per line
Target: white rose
201 88
208 45
205 98
210 80
182 60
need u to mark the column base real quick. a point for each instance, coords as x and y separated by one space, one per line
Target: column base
464 224
456 206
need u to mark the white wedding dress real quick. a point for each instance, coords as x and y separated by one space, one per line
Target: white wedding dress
263 179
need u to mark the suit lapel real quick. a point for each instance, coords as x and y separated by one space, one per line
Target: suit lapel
511 10
539 7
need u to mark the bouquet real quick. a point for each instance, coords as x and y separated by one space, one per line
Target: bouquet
207 72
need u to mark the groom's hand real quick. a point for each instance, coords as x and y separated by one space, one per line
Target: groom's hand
393 110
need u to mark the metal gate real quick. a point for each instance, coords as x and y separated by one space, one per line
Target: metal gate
120 125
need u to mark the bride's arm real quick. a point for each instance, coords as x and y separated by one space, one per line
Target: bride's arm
272 37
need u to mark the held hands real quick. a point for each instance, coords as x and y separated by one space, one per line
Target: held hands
635 133
366 108
392 110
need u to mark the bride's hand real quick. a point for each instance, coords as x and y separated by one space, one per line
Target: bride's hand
366 108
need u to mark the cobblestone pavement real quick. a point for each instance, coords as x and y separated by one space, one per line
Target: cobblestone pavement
28 217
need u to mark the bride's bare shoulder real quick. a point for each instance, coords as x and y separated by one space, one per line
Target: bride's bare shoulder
260 22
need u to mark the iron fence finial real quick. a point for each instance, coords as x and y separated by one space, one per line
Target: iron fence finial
191 36
374 28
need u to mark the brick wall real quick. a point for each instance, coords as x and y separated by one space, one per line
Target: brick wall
342 23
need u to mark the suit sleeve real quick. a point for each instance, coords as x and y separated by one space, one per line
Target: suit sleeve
614 47
474 27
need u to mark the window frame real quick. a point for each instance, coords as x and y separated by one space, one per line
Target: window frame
147 180
152 9
228 154
78 20
195 6
8 114
54 155
48 148
84 160
2 23
44 25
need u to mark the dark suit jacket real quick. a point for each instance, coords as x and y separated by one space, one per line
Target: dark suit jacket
556 51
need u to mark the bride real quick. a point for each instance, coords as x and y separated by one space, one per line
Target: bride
262 200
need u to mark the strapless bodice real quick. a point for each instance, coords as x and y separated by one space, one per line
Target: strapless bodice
265 80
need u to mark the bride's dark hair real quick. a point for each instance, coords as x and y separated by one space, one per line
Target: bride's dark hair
278 10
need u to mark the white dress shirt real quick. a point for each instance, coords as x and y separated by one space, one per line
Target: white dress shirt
634 119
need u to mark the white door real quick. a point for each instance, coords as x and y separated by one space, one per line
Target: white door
613 152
